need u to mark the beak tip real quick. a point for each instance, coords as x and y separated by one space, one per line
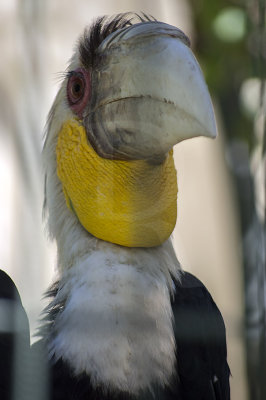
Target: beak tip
212 131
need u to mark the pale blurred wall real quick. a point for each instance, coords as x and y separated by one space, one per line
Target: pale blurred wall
36 41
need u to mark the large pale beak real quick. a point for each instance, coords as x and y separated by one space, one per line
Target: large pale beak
148 94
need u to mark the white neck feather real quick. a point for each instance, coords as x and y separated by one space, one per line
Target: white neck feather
116 325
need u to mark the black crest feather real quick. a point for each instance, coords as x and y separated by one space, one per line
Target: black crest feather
100 29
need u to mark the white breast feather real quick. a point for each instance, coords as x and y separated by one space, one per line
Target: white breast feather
117 323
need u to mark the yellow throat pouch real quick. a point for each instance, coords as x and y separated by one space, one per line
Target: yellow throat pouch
130 203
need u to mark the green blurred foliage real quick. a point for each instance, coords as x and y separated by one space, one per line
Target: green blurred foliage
231 47
221 44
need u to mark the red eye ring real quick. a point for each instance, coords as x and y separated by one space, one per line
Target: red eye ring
78 90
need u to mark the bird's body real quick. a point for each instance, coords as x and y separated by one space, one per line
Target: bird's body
201 372
124 321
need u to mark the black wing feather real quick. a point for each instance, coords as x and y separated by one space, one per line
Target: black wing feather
202 368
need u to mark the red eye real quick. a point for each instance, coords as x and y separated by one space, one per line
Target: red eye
78 90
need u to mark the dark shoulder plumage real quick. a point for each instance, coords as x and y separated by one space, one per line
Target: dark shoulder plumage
100 29
200 341
8 289
14 340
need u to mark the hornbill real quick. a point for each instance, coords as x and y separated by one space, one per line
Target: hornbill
124 320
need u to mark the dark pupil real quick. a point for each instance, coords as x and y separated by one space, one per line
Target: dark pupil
77 88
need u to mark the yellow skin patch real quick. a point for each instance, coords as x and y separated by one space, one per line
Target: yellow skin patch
130 203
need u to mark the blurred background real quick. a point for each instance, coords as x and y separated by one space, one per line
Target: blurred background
220 232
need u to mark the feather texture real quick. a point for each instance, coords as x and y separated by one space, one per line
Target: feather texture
201 371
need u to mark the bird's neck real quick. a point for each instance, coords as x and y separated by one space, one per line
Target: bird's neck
116 321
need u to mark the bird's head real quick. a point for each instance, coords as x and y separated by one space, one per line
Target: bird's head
131 92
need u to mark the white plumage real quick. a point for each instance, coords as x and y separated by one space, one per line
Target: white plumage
116 324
